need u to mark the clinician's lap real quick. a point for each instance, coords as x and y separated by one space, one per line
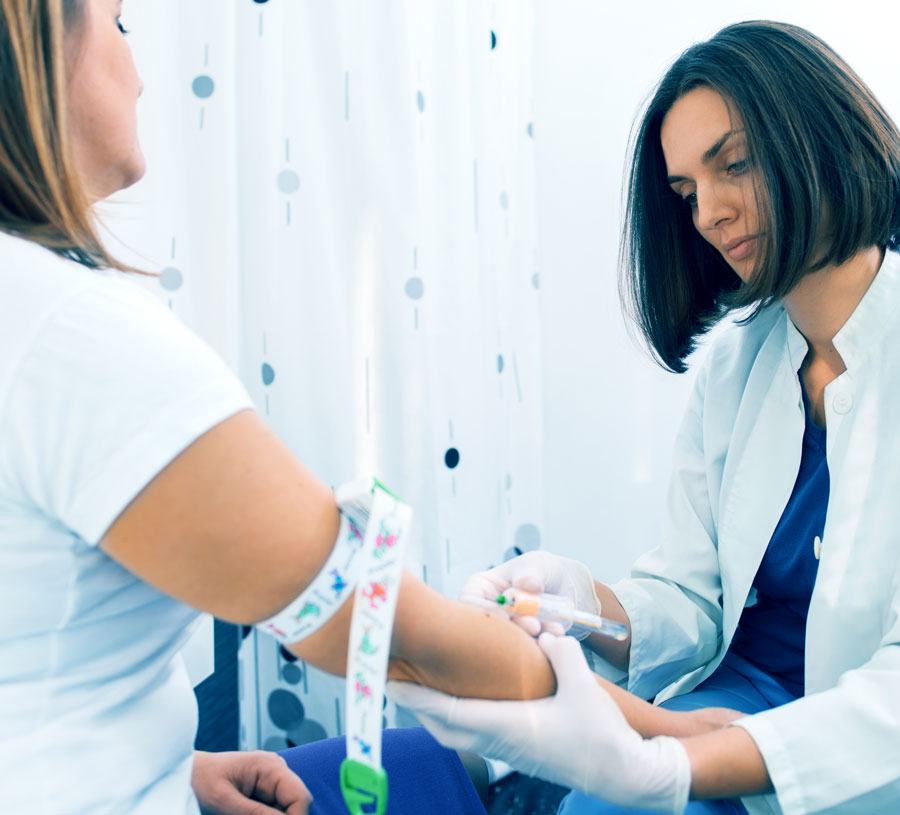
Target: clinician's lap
736 684
422 775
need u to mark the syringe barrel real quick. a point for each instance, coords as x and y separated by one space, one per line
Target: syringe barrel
548 608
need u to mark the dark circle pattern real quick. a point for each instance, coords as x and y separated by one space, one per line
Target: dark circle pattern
493 40
530 130
203 86
512 552
286 655
305 733
420 101
528 538
499 363
451 458
292 674
268 374
285 710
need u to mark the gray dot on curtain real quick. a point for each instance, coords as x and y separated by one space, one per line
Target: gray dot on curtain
285 710
288 181
493 40
511 553
508 481
307 732
536 280
504 199
203 86
268 374
499 363
420 101
451 458
171 279
414 288
275 743
530 130
292 674
528 538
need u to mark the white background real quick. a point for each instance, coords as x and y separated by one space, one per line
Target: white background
610 415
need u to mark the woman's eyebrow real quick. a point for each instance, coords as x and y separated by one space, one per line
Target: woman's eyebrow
709 155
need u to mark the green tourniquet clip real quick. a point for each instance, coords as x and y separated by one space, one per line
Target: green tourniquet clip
361 784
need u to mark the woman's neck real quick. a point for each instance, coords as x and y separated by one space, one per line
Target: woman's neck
823 301
819 306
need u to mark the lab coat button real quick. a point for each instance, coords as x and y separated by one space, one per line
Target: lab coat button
842 403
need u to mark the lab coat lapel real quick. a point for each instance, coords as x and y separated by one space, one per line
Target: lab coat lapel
761 468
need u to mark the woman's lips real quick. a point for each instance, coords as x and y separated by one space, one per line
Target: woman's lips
741 250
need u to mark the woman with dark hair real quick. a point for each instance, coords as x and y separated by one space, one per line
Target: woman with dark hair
765 178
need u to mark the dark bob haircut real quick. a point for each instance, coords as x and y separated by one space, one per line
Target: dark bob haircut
819 145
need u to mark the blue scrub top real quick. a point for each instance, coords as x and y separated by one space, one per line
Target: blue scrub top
772 633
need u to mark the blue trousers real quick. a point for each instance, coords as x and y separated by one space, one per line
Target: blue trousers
735 684
423 777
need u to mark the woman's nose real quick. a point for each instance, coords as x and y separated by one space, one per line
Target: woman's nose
713 209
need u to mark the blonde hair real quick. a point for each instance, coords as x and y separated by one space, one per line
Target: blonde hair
42 198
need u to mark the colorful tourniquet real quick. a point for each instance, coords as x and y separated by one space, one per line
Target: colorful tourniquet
386 521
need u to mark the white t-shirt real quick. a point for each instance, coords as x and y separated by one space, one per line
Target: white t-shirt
100 388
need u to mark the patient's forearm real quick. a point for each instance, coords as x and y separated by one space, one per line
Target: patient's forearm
650 720
446 645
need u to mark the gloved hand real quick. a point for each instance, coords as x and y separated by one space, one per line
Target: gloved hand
578 737
535 572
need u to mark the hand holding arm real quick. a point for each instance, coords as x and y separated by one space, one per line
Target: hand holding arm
578 738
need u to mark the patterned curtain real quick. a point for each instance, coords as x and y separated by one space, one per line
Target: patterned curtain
340 198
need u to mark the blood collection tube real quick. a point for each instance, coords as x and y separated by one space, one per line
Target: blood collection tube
560 610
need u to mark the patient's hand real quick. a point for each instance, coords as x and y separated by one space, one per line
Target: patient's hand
707 719
651 720
658 721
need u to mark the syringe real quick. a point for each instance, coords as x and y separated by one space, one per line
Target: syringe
555 608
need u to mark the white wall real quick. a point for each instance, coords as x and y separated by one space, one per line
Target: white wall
609 414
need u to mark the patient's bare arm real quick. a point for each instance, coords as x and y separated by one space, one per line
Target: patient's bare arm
446 645
236 526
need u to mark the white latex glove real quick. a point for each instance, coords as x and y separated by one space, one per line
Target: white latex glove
535 572
577 738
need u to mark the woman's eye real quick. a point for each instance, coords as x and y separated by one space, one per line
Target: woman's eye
121 27
738 167
689 200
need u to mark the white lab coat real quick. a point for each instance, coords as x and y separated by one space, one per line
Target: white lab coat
836 750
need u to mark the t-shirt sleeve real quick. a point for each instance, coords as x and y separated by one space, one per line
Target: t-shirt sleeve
111 389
